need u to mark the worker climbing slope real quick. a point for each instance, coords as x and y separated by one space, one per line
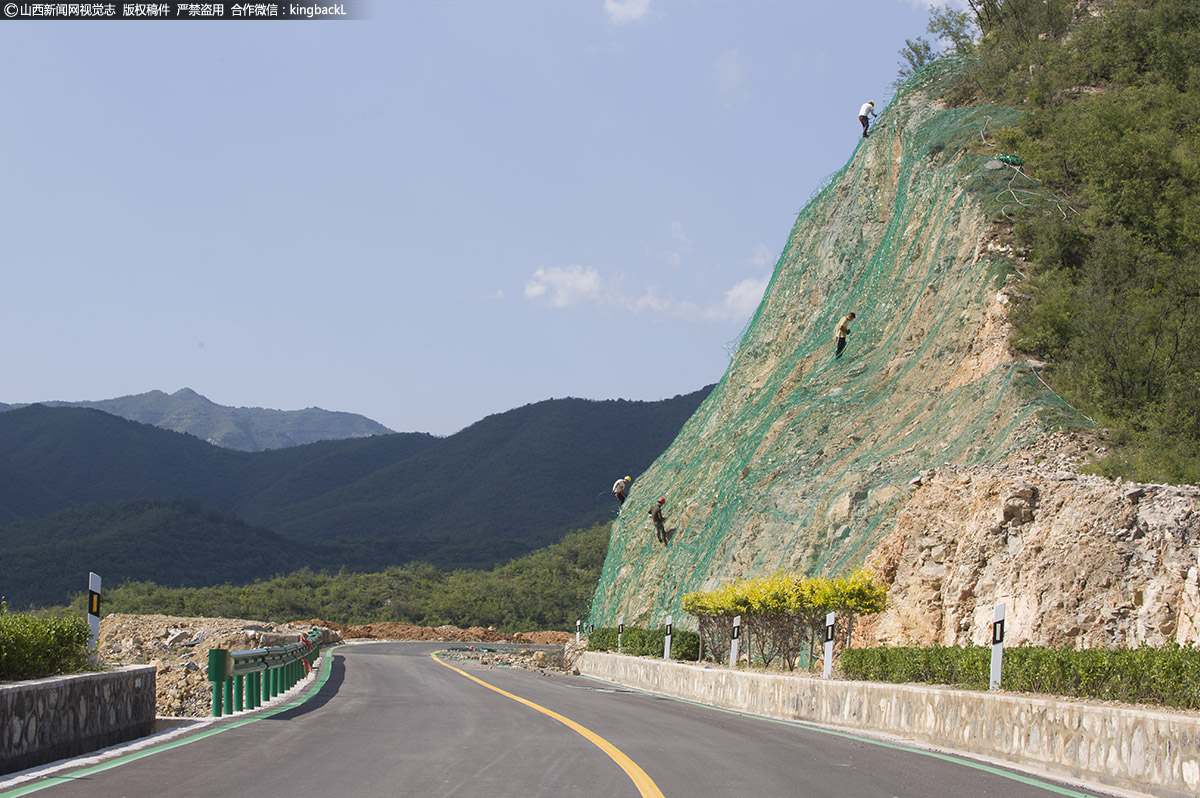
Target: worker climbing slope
867 110
621 488
656 515
839 334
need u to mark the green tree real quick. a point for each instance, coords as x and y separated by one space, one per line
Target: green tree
954 32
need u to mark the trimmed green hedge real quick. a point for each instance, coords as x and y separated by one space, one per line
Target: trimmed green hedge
1168 676
639 642
31 648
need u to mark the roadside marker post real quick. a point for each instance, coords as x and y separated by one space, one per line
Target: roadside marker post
829 645
733 643
578 624
620 631
997 648
667 640
93 616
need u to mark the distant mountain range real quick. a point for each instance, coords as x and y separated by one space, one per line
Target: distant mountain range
246 429
84 489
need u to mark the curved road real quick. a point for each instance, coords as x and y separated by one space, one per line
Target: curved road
391 720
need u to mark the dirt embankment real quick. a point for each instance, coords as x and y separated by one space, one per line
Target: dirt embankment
178 647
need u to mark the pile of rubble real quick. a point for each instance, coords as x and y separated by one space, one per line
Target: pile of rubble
178 647
546 661
441 634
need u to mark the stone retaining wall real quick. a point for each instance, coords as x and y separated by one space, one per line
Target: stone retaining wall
44 720
1146 751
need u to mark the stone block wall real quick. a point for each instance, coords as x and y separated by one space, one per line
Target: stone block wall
1154 752
44 720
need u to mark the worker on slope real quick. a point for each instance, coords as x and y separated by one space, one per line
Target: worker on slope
839 334
620 488
868 109
656 515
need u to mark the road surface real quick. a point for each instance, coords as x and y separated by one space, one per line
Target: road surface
390 719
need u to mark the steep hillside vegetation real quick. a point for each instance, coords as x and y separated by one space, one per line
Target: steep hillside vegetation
1114 300
504 486
247 429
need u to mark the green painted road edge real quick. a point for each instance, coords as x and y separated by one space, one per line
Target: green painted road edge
50 781
958 760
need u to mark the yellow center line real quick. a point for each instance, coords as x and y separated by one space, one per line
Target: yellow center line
645 785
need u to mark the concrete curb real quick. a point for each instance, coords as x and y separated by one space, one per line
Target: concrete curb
1152 752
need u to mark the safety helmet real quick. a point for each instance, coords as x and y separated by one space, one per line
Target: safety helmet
662 501
628 479
870 102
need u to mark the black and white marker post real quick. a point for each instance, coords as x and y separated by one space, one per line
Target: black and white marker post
620 631
577 625
733 644
829 645
93 615
997 648
667 640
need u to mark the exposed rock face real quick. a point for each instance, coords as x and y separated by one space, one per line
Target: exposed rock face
799 460
927 448
1077 560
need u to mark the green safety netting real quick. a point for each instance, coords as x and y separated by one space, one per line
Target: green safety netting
800 461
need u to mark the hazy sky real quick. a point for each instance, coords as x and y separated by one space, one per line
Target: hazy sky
447 210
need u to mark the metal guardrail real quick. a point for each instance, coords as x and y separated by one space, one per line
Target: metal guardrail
244 680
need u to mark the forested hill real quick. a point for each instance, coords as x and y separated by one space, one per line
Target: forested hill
506 485
247 429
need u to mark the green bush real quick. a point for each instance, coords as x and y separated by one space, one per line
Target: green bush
639 642
31 648
1111 302
1168 676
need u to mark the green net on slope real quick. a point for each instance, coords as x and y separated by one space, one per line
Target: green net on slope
800 461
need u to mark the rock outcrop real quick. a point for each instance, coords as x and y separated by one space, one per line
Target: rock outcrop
1077 560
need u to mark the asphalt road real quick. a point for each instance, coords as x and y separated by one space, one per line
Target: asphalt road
390 720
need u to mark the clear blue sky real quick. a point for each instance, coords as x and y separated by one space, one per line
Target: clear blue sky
450 209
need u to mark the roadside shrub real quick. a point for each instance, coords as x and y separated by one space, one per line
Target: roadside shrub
1168 676
639 642
31 648
783 615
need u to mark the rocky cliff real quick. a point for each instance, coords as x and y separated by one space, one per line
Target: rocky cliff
805 462
1077 560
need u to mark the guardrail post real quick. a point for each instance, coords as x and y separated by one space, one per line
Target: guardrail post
245 680
218 670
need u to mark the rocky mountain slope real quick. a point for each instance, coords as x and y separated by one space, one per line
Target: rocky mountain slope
246 429
809 463
1077 560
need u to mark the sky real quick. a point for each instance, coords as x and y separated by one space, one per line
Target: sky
445 210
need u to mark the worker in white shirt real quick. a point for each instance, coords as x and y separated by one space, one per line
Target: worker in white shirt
867 110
